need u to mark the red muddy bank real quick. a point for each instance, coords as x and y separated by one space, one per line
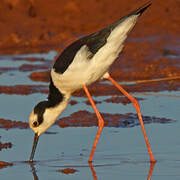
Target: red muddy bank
151 63
52 24
98 89
88 119
67 171
151 51
8 124
23 89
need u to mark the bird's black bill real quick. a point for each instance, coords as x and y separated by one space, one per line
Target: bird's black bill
36 137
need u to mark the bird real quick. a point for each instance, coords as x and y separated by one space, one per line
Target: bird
80 64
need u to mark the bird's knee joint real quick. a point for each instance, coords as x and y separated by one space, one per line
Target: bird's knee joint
135 102
101 124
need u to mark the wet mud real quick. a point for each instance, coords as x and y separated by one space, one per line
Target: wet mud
67 171
5 164
87 119
23 89
51 32
5 146
8 124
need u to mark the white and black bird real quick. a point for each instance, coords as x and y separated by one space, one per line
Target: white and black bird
79 65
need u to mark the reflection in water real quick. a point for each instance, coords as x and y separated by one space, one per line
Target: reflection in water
151 168
33 169
93 171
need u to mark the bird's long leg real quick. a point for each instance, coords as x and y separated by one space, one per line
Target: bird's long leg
100 123
137 107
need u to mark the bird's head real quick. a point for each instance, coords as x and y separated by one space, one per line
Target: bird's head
42 117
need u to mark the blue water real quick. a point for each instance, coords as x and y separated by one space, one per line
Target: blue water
121 152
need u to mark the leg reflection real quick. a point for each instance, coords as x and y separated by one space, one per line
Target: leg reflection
151 168
33 169
93 171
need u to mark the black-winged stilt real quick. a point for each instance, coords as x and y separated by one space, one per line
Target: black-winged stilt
80 64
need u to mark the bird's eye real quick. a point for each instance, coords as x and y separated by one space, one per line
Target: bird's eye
35 123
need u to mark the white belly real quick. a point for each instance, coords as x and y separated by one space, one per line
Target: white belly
82 72
78 76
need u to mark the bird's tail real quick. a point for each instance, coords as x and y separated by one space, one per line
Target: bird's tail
138 12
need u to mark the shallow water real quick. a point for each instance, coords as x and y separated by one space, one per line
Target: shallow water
63 153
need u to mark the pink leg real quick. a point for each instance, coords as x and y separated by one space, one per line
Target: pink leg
137 107
100 122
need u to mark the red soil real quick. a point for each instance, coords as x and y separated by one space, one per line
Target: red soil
5 146
87 119
5 164
73 102
52 24
40 76
67 171
98 89
23 89
7 124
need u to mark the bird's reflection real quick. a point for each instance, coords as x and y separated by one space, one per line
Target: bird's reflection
151 168
33 169
93 171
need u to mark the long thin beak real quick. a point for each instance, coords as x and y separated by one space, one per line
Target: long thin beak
36 137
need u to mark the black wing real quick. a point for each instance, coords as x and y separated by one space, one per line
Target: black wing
93 41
